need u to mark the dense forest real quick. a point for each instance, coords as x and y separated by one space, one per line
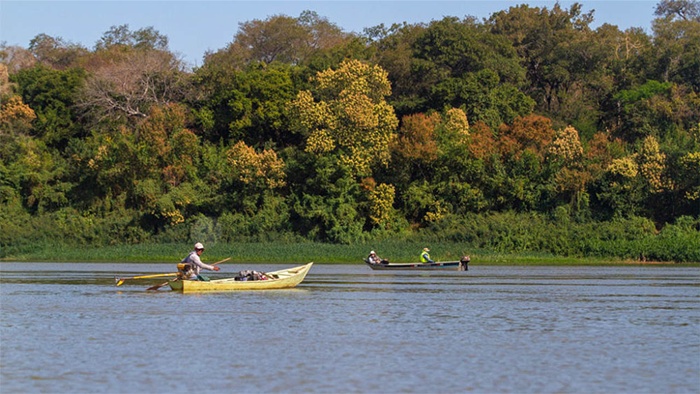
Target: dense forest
526 131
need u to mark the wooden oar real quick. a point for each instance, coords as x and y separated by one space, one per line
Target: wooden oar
156 287
120 281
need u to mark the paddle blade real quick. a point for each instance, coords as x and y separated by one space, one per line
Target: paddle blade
119 281
156 287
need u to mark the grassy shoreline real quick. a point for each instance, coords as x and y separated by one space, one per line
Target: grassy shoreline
299 253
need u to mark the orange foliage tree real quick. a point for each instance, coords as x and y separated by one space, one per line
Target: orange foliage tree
531 133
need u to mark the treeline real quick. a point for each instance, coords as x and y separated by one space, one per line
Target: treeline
527 131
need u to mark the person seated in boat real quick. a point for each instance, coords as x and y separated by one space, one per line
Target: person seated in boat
425 256
190 267
374 259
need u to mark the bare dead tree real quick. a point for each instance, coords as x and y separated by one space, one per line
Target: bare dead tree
127 87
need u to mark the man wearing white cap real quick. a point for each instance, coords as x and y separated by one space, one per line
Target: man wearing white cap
373 258
195 264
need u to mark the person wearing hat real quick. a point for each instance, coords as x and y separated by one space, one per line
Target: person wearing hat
374 259
425 256
194 264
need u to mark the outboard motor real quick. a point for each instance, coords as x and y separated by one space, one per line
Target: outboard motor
464 263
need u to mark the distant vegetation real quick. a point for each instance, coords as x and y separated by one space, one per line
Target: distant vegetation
527 133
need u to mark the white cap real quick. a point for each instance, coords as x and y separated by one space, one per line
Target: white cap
198 246
372 252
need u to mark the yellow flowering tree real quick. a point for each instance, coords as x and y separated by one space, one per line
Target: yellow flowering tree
567 146
456 123
624 168
570 178
348 115
621 190
15 116
690 166
263 170
252 181
348 128
381 204
651 164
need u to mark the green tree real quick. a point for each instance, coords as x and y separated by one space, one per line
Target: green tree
552 46
463 65
324 198
55 52
144 38
52 94
656 109
521 180
152 169
677 42
33 173
247 188
248 105
433 169
687 183
393 51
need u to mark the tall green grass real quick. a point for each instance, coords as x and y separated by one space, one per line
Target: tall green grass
496 238
300 253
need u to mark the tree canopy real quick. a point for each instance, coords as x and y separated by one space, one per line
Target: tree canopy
299 130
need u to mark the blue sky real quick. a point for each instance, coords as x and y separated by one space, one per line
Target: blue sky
193 27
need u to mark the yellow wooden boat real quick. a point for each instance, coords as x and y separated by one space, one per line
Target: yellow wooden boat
282 279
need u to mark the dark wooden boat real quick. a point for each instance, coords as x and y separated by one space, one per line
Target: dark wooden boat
461 265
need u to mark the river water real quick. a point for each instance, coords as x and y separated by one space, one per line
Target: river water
66 328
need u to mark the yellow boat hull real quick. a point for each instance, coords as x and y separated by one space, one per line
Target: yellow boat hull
284 279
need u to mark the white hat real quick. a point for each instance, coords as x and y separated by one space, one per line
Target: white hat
198 246
372 252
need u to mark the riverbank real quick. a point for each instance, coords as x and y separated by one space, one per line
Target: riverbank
286 253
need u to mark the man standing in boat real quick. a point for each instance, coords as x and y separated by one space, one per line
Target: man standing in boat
425 256
191 266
